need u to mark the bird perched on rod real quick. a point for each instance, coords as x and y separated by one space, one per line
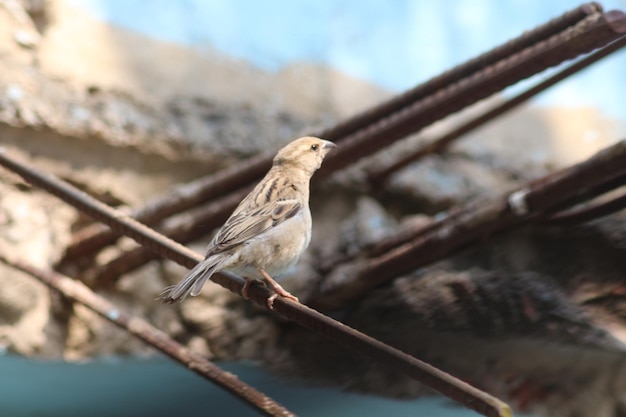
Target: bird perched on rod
268 230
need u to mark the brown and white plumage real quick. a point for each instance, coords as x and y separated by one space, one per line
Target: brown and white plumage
268 230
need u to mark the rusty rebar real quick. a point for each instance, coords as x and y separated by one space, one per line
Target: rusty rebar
587 195
296 312
461 71
587 213
182 228
592 32
95 237
78 292
136 258
474 222
412 232
118 221
380 174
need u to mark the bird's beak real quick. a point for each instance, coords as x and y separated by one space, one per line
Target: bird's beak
329 145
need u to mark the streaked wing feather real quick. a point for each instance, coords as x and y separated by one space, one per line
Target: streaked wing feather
250 223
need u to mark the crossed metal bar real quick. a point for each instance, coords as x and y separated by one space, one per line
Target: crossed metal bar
210 199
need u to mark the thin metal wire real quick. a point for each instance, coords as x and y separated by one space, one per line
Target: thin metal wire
444 383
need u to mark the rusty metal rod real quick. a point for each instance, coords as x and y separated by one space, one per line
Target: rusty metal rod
381 173
182 228
95 237
461 71
474 222
138 257
407 234
78 292
587 213
446 384
587 195
118 221
593 32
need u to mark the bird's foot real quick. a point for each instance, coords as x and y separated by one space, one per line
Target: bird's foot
246 287
285 294
279 291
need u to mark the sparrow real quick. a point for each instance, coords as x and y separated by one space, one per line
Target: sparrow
269 229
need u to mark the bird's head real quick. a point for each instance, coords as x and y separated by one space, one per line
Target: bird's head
306 153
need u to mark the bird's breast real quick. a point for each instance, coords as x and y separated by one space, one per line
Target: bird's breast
279 248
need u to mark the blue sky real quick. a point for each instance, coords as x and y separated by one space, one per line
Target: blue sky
392 43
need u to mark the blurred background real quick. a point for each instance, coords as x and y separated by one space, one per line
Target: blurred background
392 46
132 97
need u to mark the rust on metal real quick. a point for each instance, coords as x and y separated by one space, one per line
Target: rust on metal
471 223
461 71
89 241
588 212
182 228
577 32
380 174
297 312
590 33
78 292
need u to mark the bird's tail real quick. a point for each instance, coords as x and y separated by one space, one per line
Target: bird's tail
192 283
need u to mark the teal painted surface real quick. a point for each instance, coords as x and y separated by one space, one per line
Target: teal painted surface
160 387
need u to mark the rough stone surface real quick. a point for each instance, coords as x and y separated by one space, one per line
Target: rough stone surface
35 227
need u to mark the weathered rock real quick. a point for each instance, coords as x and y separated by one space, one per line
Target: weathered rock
35 228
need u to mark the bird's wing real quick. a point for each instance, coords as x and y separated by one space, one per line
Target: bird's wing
248 224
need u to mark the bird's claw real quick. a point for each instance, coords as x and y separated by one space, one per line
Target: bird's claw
285 294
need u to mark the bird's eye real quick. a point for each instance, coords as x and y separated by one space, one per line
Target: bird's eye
314 147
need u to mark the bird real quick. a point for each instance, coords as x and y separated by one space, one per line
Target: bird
269 229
